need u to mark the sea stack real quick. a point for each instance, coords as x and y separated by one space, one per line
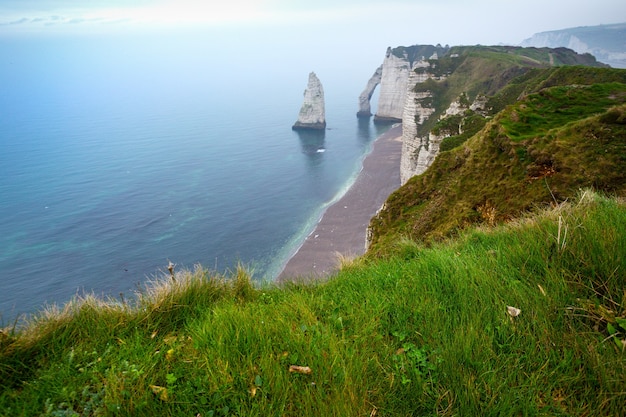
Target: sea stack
312 114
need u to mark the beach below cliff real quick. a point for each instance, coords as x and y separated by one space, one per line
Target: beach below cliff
341 232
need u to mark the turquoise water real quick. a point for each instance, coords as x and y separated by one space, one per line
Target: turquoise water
118 157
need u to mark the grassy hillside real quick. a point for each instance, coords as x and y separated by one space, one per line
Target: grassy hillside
428 331
540 150
470 71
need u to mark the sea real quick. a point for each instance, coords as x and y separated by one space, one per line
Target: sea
121 154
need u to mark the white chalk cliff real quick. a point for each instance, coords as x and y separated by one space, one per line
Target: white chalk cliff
414 90
399 102
393 86
417 152
397 66
365 109
312 114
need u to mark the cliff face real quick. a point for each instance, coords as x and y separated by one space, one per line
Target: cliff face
365 109
447 95
417 152
396 69
441 92
394 82
312 113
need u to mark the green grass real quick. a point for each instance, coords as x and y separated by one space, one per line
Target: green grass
557 106
535 80
470 124
424 332
499 72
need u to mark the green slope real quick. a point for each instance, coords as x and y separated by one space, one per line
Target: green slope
540 150
470 71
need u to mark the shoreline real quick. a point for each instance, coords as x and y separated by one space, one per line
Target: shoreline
341 232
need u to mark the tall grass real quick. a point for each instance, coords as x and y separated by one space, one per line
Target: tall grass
425 332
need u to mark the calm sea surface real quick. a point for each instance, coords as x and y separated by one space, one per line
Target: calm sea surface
117 157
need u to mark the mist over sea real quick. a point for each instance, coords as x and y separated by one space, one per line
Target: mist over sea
120 154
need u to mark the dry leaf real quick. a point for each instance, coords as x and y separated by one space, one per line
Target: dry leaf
542 290
253 391
161 392
300 369
513 312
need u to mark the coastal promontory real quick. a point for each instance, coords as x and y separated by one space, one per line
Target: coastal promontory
312 113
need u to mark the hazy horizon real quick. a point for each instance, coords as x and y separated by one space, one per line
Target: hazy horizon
374 23
346 37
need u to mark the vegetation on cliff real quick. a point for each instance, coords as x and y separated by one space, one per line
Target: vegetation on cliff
501 73
567 131
524 319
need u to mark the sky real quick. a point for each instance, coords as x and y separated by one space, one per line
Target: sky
374 22
282 39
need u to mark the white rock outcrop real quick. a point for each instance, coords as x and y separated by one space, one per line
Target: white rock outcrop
455 108
480 105
393 87
418 154
312 114
365 109
403 68
417 109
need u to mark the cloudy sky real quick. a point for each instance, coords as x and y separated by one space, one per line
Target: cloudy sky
397 21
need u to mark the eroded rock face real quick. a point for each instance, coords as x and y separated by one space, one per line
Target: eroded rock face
365 109
393 86
398 65
312 114
417 152
480 105
456 107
